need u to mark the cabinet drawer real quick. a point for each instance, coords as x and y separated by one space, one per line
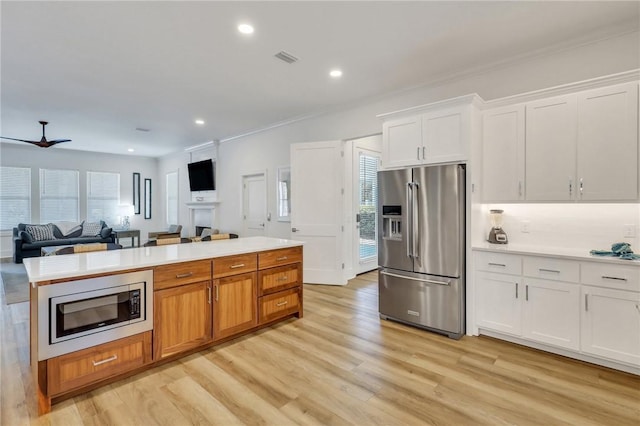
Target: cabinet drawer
621 277
80 368
551 269
498 262
231 265
279 257
280 278
181 273
278 305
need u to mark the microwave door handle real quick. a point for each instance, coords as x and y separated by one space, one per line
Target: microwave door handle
407 229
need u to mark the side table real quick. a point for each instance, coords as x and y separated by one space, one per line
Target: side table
127 233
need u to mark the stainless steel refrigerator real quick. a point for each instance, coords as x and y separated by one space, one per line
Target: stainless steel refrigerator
421 247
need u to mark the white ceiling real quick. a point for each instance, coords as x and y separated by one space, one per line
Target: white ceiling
98 70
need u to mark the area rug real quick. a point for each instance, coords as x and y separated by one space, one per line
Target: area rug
15 282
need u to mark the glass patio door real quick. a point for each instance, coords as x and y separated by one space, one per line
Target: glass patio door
366 218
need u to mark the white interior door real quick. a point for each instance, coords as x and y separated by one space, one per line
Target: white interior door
317 171
365 167
254 205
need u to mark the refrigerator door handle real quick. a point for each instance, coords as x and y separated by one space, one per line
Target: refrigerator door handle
408 229
415 224
422 280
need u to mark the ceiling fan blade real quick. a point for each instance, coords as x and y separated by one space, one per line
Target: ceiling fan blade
59 141
19 140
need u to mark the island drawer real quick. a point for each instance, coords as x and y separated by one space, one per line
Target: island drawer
498 262
181 273
278 305
278 279
83 367
232 265
269 259
621 277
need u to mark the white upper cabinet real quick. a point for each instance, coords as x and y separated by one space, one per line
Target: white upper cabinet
551 149
503 154
607 166
402 141
430 134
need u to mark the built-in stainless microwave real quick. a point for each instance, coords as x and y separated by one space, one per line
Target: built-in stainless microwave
84 313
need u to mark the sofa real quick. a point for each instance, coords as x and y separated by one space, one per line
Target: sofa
29 239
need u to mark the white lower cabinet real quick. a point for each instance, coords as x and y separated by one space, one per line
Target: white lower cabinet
611 324
551 313
589 308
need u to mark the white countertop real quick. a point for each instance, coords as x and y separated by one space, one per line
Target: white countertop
567 253
98 262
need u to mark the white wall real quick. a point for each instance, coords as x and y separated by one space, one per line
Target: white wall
52 158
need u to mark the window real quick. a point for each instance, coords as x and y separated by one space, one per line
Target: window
103 197
368 196
172 198
15 196
284 194
59 196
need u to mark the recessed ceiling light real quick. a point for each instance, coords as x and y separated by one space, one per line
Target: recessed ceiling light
130 150
335 73
245 29
199 122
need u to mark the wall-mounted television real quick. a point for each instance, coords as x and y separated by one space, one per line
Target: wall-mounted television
202 175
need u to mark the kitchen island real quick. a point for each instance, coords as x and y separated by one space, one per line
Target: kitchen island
100 316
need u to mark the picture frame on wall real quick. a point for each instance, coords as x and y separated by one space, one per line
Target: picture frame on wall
147 198
136 193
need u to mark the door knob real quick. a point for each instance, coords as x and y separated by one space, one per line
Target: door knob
262 224
294 229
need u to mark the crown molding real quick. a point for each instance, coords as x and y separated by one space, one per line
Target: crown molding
593 83
471 99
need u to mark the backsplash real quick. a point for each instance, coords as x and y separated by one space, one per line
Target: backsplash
581 226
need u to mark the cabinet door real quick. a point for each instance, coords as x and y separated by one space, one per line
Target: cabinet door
182 318
235 304
608 143
402 142
550 152
611 324
445 135
498 302
551 313
503 154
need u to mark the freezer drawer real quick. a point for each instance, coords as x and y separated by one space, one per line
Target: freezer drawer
427 301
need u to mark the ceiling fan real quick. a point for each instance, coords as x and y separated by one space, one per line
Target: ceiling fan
42 143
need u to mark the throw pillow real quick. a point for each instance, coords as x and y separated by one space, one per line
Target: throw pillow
105 232
41 232
91 229
26 237
66 229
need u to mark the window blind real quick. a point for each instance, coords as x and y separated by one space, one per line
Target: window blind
15 196
368 197
172 198
59 196
103 197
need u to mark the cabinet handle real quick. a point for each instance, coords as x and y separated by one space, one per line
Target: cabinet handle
281 303
188 274
217 293
418 153
423 151
516 290
606 277
239 265
282 278
104 361
281 258
586 303
502 265
549 270
570 188
209 294
581 185
526 292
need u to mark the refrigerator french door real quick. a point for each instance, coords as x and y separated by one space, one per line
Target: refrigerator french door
422 247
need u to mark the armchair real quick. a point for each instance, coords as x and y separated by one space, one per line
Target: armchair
172 232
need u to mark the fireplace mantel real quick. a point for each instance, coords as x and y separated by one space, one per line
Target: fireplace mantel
203 213
203 204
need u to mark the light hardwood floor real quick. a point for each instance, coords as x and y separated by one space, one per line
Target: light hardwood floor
340 364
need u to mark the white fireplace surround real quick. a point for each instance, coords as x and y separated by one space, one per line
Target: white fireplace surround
202 213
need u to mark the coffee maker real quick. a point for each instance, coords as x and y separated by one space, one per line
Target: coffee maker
497 234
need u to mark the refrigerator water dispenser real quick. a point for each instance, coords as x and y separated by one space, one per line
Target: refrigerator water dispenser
392 223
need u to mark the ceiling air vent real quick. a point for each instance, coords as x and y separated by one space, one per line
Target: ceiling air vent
286 56
142 129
